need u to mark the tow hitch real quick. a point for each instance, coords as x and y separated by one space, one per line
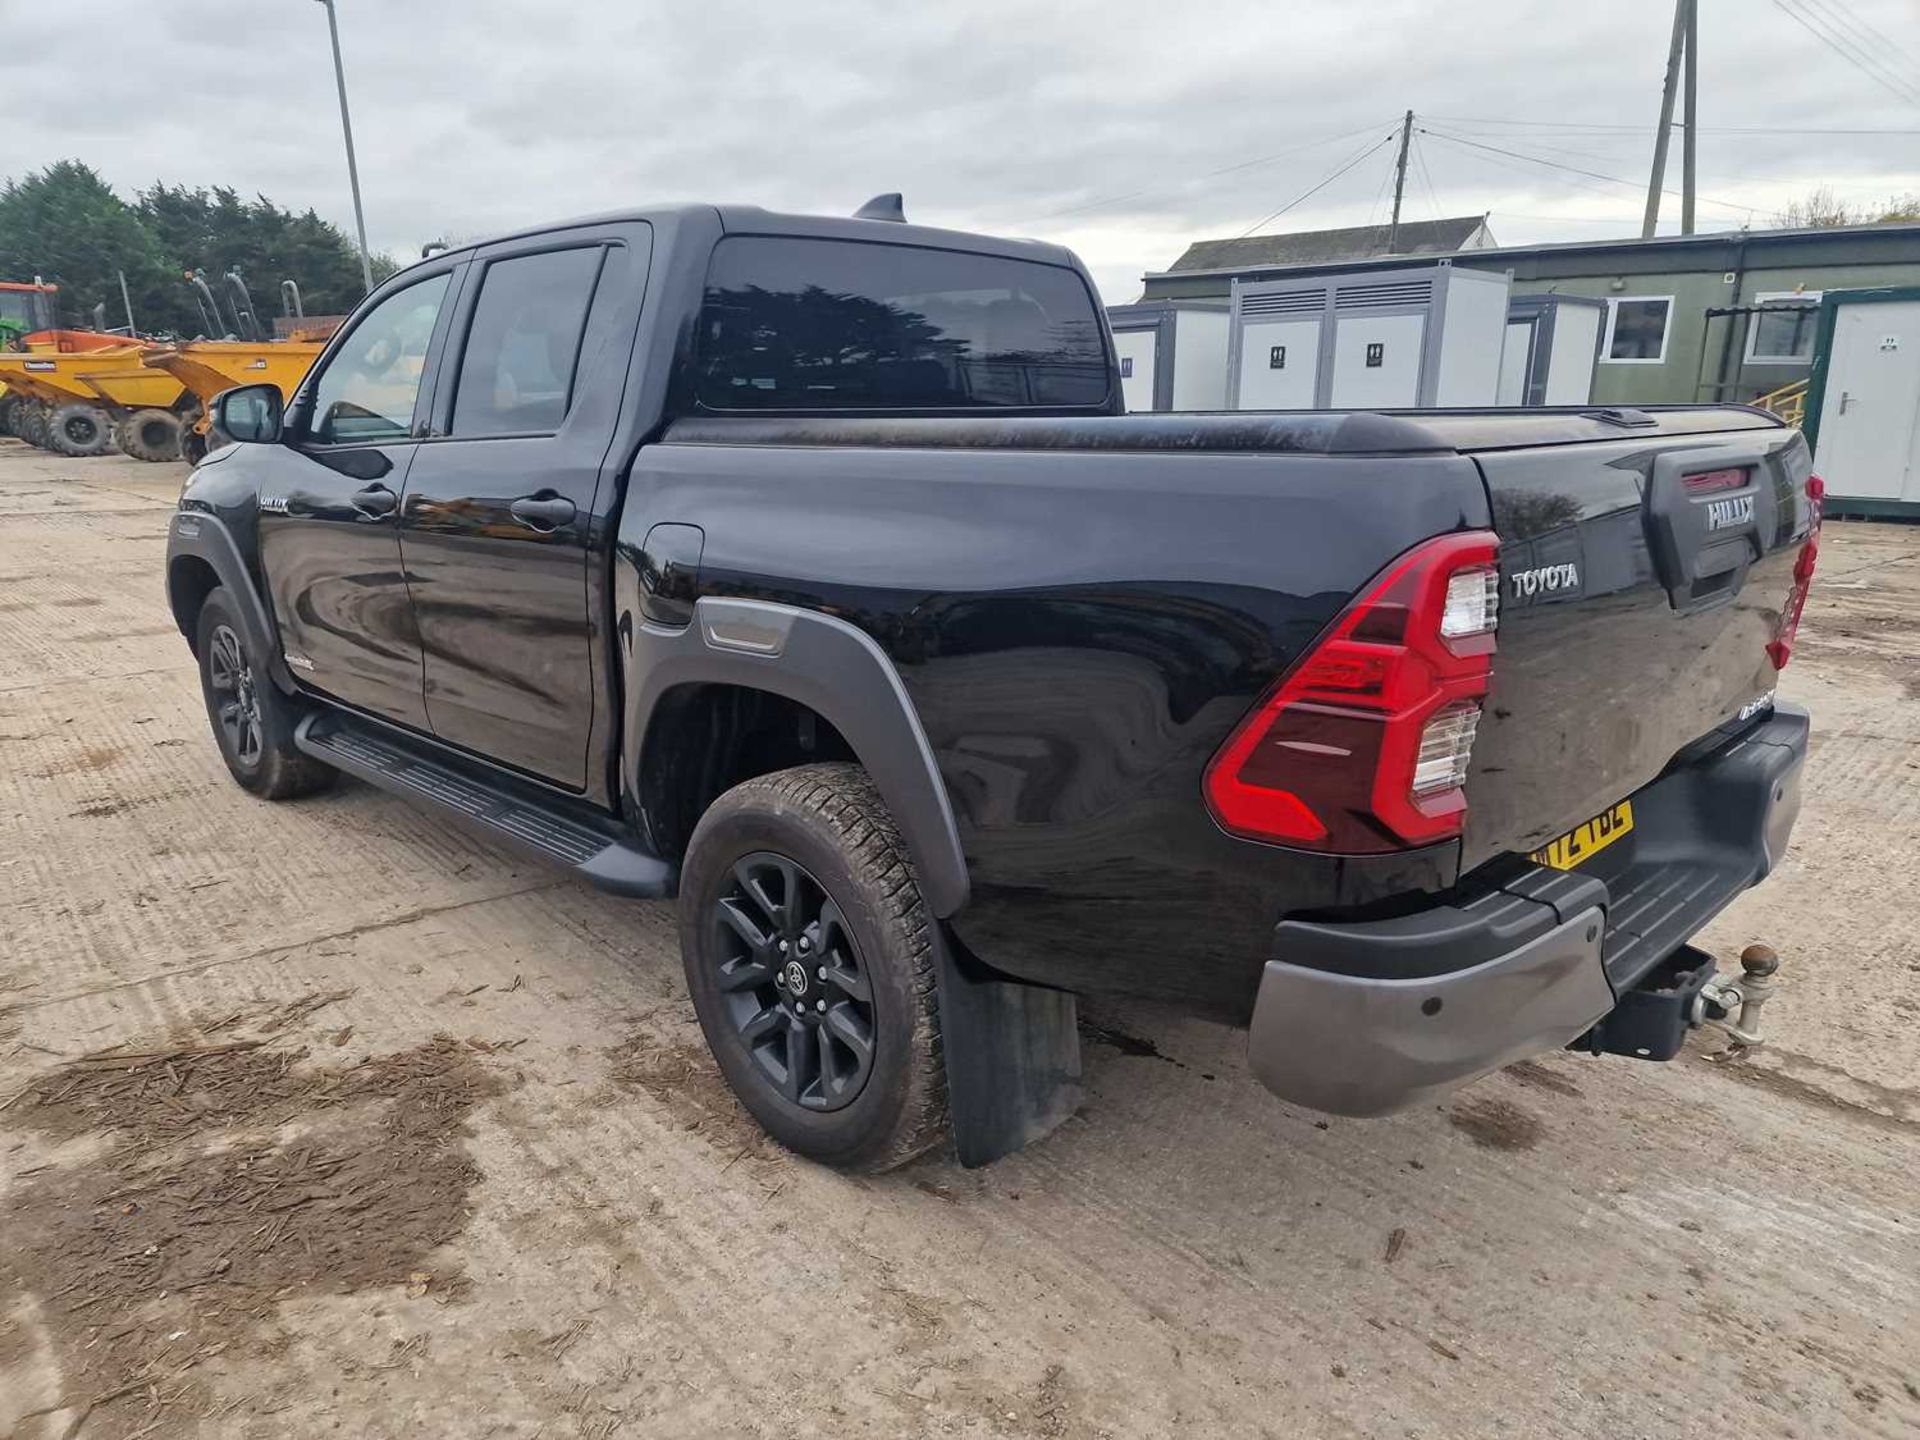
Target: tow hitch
1684 993
1734 1005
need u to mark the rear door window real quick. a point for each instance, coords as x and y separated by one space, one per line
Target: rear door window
800 324
523 346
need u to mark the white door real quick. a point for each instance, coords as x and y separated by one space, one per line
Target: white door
1137 349
1576 343
1279 364
1868 422
1515 351
1376 361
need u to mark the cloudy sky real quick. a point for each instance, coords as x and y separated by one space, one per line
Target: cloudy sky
1119 127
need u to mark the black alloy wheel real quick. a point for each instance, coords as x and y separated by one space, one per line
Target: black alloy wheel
792 982
236 706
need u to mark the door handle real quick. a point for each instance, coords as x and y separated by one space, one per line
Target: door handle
375 500
545 512
1845 396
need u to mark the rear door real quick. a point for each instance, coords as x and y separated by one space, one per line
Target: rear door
509 497
1641 581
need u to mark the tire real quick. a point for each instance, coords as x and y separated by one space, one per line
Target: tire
809 859
79 430
33 423
252 721
9 414
193 446
152 435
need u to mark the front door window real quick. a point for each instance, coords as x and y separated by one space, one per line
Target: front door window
367 392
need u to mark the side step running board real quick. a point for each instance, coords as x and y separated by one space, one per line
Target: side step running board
536 825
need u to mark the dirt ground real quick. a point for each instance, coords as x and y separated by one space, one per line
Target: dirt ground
327 1119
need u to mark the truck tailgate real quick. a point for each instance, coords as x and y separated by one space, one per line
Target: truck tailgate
1641 582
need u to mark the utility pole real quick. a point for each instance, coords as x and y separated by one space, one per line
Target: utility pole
1691 92
1399 181
1681 9
346 128
125 301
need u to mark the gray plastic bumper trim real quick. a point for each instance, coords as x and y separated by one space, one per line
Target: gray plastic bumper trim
1350 1045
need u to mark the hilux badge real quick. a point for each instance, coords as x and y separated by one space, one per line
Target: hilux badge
1734 510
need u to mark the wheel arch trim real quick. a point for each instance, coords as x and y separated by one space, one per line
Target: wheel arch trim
836 670
204 537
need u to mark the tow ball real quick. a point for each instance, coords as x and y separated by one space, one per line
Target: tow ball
1684 993
1734 1005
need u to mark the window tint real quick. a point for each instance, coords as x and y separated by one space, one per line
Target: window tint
1783 330
794 324
1639 329
368 388
516 376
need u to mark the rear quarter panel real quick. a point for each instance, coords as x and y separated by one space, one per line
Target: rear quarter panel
1078 633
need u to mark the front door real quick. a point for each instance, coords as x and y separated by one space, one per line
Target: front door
505 504
1870 421
330 507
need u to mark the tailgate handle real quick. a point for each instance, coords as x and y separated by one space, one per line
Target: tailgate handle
1703 543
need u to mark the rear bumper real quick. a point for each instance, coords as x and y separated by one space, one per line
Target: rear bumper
1370 1017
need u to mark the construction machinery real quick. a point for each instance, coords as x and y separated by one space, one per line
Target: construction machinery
24 308
72 393
249 353
82 392
207 367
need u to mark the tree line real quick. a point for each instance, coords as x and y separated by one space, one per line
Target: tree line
68 226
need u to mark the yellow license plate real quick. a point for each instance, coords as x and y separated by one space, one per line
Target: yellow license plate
1583 842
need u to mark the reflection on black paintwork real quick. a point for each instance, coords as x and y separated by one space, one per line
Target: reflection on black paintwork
1596 685
1072 713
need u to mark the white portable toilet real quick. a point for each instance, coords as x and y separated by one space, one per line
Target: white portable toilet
1863 401
1173 353
1371 339
1552 346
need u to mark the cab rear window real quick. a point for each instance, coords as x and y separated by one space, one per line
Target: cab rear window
802 324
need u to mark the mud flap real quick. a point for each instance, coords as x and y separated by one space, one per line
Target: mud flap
1013 1056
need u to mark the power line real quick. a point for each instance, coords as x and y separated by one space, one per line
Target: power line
1647 129
1587 185
1869 39
1426 178
1576 170
1832 26
1379 144
1881 37
1213 174
1568 219
1820 32
1386 183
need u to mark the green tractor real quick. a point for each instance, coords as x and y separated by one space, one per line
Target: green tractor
25 307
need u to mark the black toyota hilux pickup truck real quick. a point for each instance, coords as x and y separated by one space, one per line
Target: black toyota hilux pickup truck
809 571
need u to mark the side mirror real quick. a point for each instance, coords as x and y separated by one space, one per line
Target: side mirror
251 413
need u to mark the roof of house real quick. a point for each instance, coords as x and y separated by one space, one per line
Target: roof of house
1715 250
1319 247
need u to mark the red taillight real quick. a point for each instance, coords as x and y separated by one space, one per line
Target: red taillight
1780 648
1362 746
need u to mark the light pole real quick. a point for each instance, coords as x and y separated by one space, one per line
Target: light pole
346 128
